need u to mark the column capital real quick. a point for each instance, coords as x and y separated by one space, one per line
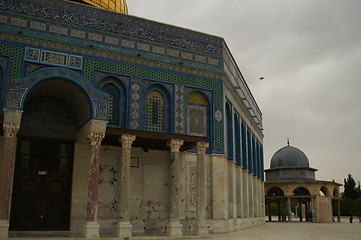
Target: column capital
126 140
96 138
175 145
11 130
201 147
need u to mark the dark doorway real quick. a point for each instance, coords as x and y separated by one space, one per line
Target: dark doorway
42 185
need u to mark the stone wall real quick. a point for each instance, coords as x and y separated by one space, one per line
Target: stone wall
227 201
323 206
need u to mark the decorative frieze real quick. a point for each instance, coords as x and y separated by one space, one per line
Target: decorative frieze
121 24
58 29
11 130
38 26
53 58
18 22
77 33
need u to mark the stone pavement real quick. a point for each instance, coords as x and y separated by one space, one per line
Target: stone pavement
297 231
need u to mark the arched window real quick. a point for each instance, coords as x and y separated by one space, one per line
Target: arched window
229 131
197 114
155 111
244 145
117 101
249 151
114 103
262 162
237 133
254 155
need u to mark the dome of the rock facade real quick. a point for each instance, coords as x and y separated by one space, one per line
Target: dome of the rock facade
112 5
289 157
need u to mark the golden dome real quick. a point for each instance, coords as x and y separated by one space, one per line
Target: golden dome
113 5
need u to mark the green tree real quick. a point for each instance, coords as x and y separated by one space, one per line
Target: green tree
356 206
350 189
346 205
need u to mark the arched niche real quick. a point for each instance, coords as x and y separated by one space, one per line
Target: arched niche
324 191
301 191
275 192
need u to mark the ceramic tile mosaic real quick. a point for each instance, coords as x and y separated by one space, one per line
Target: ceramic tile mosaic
179 109
144 73
135 103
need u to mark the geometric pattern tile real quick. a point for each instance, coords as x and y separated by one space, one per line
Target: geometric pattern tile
135 106
179 109
218 115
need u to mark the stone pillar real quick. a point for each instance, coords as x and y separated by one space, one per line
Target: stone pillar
313 209
201 226
279 210
91 228
255 197
250 196
300 206
239 182
174 228
283 210
7 175
124 227
245 194
289 209
338 211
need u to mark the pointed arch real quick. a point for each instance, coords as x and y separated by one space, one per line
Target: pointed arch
301 191
324 191
244 145
229 131
157 109
117 110
237 138
275 191
197 114
86 101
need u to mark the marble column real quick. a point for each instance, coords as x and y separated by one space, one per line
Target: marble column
174 227
91 229
289 209
124 227
6 175
201 225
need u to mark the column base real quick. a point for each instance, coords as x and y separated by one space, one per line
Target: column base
201 229
174 229
91 230
123 230
4 229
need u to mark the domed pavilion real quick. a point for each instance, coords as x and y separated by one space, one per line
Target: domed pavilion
292 189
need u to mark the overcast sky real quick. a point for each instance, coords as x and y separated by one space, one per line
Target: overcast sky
309 53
